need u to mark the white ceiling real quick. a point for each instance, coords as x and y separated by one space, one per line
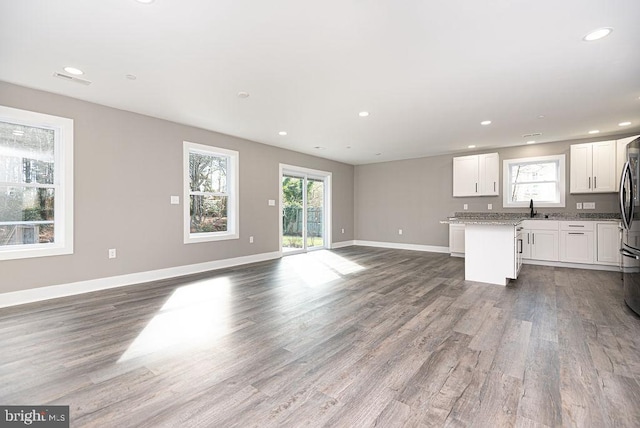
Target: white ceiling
427 71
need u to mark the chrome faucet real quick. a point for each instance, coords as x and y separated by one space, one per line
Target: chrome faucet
533 213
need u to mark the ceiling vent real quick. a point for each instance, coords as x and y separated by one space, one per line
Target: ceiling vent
71 78
535 134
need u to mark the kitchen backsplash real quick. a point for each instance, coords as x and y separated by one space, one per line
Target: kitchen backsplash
555 215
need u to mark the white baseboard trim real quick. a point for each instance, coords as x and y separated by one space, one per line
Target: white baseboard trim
400 246
62 290
571 265
609 268
342 244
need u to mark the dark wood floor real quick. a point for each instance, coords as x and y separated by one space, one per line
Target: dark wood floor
354 337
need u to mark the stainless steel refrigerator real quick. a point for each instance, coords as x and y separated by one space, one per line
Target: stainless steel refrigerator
630 213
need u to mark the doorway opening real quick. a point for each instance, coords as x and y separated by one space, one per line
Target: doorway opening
305 222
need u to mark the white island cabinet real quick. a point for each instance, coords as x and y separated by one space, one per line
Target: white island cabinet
492 249
493 252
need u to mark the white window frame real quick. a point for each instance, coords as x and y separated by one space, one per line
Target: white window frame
233 226
62 184
560 184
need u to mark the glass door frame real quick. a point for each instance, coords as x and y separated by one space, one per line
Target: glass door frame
305 174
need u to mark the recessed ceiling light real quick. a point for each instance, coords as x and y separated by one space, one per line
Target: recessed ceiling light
541 116
485 122
243 94
624 124
283 133
363 114
597 34
594 131
18 132
74 71
531 142
131 76
473 146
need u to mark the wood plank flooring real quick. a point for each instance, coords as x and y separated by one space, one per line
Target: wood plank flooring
354 337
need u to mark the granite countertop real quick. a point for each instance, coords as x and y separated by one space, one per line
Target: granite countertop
486 221
513 219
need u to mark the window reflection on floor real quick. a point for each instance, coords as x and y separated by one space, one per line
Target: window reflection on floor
199 313
195 315
320 267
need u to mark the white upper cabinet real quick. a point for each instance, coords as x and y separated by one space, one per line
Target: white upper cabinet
593 167
476 175
621 156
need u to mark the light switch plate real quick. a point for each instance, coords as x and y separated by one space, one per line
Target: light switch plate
589 205
465 207
272 202
578 205
489 206
175 200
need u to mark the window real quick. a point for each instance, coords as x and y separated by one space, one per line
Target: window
541 179
36 184
211 193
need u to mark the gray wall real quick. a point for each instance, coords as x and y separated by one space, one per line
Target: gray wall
126 168
413 195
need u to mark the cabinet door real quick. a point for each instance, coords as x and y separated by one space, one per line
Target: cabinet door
465 176
489 174
456 238
544 245
608 243
604 167
581 168
576 247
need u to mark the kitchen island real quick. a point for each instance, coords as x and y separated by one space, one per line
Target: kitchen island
493 249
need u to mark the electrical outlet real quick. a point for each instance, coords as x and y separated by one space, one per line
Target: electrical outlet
589 205
251 240
465 207
489 206
175 200
343 230
112 253
578 205
399 231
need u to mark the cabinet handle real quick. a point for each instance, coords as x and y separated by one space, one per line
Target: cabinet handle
595 182
476 187
589 182
494 186
520 242
576 225
528 239
533 239
576 233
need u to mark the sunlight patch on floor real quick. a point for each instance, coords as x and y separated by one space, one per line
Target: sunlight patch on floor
195 315
320 267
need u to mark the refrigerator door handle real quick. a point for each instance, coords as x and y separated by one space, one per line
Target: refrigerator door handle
626 215
626 253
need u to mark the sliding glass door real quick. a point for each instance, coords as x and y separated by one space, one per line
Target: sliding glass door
304 205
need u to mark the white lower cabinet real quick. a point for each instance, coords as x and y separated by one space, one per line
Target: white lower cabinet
608 243
544 245
577 241
584 242
540 238
456 239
